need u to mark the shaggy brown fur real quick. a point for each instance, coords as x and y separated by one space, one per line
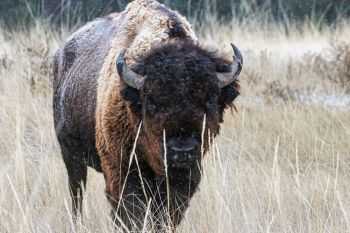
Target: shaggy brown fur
97 115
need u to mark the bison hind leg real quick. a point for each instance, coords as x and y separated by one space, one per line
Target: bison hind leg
77 183
77 175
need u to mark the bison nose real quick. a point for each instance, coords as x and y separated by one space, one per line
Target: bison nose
183 151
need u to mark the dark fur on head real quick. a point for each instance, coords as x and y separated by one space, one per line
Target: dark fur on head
180 88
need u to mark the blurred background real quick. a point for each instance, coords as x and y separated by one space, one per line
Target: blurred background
13 12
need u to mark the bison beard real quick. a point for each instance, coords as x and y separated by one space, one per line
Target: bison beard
118 89
168 198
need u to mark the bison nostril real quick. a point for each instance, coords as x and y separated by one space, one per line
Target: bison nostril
190 156
183 156
175 157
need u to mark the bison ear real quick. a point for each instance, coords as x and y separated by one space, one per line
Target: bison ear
132 95
228 94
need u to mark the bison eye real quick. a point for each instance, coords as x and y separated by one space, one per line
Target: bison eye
150 105
211 103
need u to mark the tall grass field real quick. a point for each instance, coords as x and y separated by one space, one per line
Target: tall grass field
280 164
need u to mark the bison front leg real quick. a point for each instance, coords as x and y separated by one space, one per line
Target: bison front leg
128 201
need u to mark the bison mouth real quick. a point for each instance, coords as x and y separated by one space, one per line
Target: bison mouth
182 165
183 174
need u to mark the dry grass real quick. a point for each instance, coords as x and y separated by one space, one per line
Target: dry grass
280 166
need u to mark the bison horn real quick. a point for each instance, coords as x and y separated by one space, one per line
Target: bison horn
130 77
236 67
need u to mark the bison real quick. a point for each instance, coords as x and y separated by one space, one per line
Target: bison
137 98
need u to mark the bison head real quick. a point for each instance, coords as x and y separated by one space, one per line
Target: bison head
178 88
